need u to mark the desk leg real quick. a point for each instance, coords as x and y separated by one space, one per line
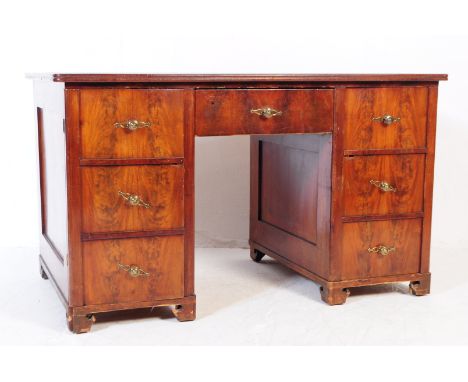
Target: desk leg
334 296
421 287
79 323
185 312
256 255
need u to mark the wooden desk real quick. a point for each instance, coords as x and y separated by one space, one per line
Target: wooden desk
341 181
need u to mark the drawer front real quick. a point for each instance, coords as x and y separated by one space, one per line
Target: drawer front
361 242
107 133
362 129
133 270
132 198
231 112
383 184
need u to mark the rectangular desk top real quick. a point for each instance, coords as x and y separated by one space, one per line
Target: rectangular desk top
216 78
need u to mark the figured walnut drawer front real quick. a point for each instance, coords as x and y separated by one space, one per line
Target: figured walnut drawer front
130 123
383 184
133 270
381 248
230 112
406 129
132 198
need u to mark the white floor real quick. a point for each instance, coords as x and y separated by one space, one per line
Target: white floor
244 303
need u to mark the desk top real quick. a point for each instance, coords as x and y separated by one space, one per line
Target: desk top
235 78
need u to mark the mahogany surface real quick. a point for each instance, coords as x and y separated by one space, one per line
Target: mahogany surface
228 112
290 197
101 108
361 105
313 207
227 78
106 283
403 172
104 210
403 235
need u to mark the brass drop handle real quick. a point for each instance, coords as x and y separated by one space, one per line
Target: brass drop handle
386 119
384 186
134 200
266 112
131 124
133 270
381 250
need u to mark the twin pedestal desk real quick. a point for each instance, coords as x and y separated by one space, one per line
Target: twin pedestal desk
340 181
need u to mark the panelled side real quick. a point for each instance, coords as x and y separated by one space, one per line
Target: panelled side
290 199
50 110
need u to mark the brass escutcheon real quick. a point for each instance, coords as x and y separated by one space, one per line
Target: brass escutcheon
384 186
381 250
386 119
131 124
266 112
133 270
134 200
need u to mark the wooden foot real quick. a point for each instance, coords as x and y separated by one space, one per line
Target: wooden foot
43 273
185 312
421 287
256 255
334 296
80 324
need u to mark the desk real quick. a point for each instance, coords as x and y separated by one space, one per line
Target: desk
341 181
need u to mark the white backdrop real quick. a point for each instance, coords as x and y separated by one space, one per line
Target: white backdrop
229 37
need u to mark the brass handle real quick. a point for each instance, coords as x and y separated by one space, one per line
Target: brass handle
131 124
266 112
381 250
384 186
134 200
386 119
133 270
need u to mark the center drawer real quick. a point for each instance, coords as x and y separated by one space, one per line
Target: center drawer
133 270
274 111
132 198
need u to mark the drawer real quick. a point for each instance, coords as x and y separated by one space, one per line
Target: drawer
132 198
107 130
362 130
133 270
383 184
231 112
363 258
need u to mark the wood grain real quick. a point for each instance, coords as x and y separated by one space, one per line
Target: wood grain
105 282
101 108
429 179
104 210
189 195
290 198
404 235
404 172
289 188
336 203
407 103
227 112
72 123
